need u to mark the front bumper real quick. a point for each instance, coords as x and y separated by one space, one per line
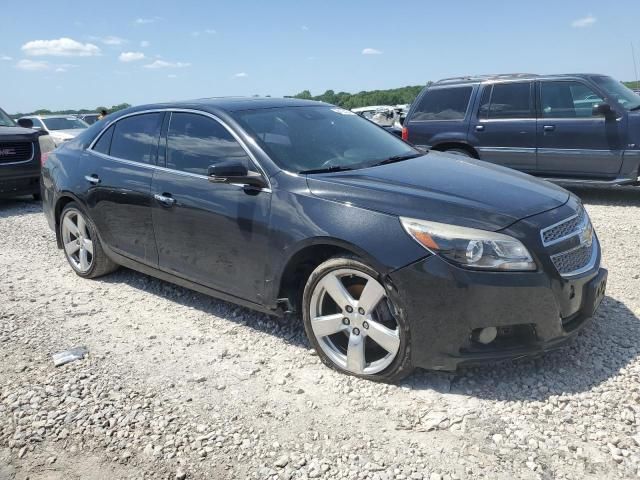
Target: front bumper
533 311
20 185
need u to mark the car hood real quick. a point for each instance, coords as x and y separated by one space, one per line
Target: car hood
16 133
443 188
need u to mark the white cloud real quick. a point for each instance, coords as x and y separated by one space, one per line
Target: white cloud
145 43
131 56
371 51
583 22
145 21
6 58
241 75
165 64
110 40
208 31
62 47
32 66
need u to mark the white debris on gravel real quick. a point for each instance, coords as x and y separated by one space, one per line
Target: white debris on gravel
178 385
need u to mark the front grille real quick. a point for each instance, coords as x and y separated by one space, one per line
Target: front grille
573 260
15 152
564 229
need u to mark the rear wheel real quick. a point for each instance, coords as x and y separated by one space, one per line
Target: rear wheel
352 323
81 244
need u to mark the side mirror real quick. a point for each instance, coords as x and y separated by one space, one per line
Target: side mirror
25 123
235 172
602 110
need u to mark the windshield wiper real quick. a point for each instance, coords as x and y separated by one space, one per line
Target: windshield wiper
399 158
336 168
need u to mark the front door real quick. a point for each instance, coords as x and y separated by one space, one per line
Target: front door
213 234
119 185
572 141
504 129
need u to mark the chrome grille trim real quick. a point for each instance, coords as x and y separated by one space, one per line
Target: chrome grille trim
564 229
577 260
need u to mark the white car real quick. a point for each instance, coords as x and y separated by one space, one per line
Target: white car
60 127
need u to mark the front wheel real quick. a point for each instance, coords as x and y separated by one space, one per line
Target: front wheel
352 323
81 244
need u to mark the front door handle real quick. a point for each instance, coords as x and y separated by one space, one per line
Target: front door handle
479 128
165 199
549 128
93 178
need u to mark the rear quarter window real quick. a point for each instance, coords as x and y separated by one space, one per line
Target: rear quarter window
135 138
443 104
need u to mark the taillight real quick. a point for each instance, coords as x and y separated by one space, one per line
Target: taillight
46 147
405 133
43 158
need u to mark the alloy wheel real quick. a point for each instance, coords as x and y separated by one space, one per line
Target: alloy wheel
77 241
353 321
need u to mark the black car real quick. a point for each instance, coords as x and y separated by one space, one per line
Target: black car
570 129
21 151
392 257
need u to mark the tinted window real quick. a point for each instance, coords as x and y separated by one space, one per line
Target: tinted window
194 142
510 100
136 138
311 138
626 97
567 100
483 111
103 144
64 123
443 104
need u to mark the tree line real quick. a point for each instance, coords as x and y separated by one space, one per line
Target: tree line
44 111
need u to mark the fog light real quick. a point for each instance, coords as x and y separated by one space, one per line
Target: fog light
485 335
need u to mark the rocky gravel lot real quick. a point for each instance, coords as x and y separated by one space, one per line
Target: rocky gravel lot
179 385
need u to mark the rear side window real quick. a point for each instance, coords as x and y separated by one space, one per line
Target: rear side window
507 100
194 142
136 138
443 104
104 143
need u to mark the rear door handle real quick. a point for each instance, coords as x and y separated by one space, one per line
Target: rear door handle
549 128
479 128
165 199
92 179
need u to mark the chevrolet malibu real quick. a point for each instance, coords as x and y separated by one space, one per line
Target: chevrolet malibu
392 257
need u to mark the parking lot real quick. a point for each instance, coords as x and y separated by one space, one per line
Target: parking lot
180 385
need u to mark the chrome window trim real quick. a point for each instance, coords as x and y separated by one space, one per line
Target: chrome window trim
579 229
181 110
33 153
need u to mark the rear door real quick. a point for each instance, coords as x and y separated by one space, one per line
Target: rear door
572 142
440 116
119 185
503 129
214 234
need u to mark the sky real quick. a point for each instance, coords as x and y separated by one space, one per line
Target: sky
72 54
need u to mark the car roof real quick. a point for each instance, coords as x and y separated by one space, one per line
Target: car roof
50 116
232 104
472 79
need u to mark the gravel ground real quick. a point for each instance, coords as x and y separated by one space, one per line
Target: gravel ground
180 385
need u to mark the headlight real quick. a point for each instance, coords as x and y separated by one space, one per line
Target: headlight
469 247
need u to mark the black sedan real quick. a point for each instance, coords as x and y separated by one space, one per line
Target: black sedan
393 258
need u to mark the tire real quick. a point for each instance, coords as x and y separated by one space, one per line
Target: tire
370 320
93 262
459 151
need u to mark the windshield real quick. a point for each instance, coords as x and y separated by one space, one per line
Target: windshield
616 90
63 123
5 120
300 139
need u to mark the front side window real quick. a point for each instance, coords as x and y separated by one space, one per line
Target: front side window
64 123
303 139
443 104
195 142
567 99
136 138
507 100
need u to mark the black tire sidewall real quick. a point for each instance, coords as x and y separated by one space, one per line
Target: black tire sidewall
401 365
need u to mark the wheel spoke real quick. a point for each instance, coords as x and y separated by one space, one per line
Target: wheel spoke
82 226
355 354
88 245
334 287
84 261
327 325
383 336
371 295
71 247
70 226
